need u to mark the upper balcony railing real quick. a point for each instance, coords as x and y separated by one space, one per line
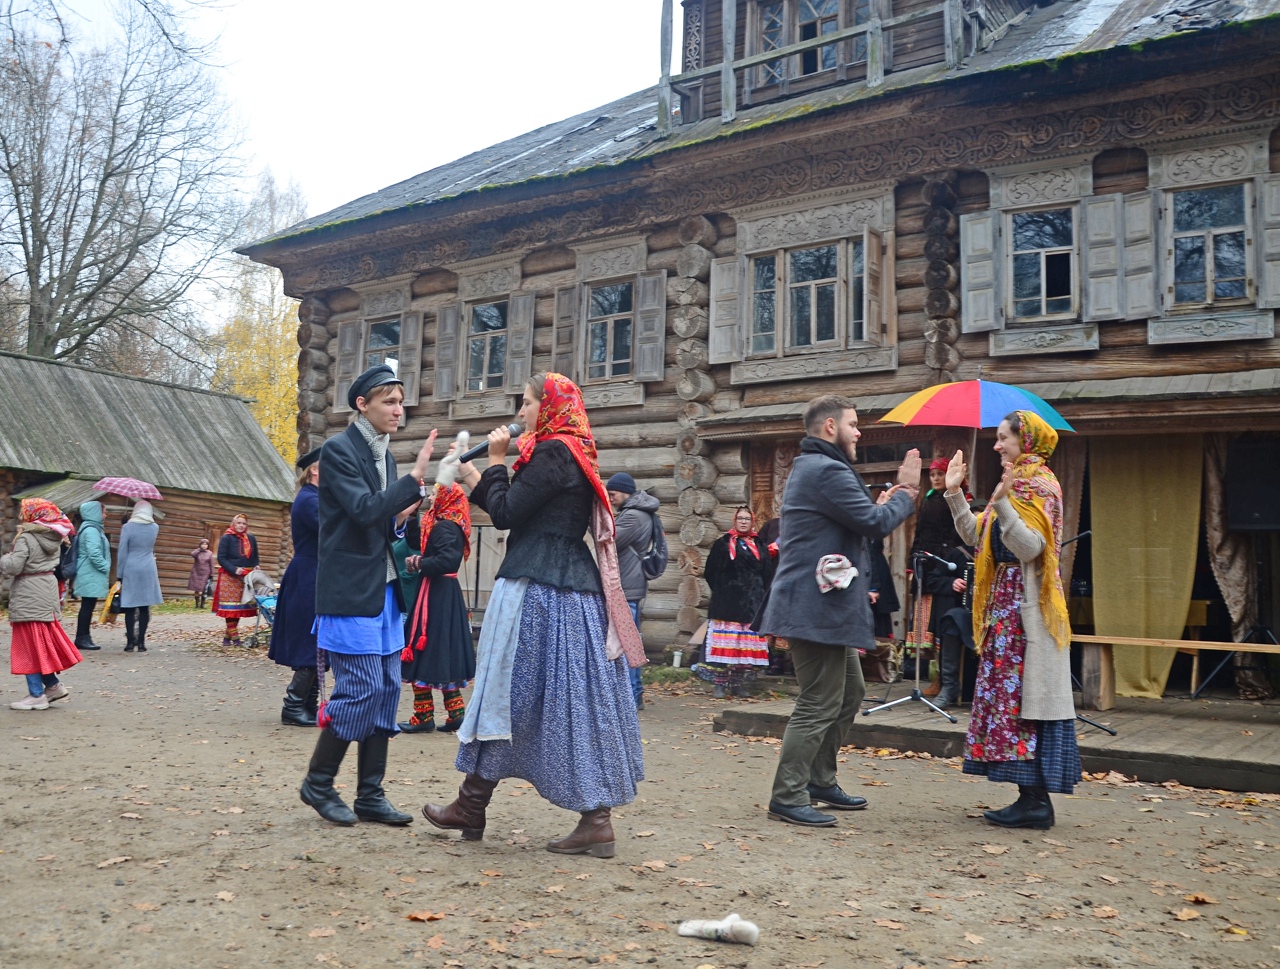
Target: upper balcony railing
877 34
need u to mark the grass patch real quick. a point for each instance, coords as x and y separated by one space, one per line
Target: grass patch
652 675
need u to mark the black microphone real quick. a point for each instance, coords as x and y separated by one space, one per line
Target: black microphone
951 566
483 446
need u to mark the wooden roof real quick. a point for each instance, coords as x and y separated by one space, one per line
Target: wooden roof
61 419
626 130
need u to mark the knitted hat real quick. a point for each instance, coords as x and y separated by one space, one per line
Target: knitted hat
622 482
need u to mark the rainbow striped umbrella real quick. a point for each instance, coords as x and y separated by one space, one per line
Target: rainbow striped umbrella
970 403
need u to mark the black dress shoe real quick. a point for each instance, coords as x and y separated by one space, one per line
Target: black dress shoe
411 727
803 815
835 798
449 726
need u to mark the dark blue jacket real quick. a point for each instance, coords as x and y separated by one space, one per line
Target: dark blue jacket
357 527
293 644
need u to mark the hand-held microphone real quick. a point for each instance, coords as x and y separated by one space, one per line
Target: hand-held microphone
483 446
951 566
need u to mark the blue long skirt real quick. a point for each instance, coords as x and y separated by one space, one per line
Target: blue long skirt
574 731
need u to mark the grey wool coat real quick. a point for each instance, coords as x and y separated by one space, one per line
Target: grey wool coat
136 565
1046 670
827 509
33 597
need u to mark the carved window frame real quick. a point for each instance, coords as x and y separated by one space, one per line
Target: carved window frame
385 302
783 345
1073 315
851 55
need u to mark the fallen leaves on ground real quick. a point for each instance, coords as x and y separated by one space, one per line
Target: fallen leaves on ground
1185 914
995 849
973 939
425 916
435 942
225 896
323 932
115 861
888 923
1105 912
1200 899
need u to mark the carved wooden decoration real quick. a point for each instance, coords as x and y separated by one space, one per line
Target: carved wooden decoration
824 224
1041 187
1201 327
1056 339
829 363
610 259
1202 164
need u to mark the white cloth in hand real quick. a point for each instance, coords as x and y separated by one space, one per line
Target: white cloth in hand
447 472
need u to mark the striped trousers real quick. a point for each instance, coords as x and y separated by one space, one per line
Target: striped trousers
366 695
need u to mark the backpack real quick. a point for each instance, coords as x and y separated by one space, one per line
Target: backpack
654 561
67 556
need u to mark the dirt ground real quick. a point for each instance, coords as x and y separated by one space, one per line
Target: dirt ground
153 819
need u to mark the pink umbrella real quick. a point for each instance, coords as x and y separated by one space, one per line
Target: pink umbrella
129 488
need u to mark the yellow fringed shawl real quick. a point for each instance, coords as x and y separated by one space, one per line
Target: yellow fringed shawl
1037 497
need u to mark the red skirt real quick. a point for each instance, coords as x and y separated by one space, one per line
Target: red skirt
226 598
41 647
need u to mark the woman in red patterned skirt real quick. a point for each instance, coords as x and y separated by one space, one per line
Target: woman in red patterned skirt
237 557
41 649
738 570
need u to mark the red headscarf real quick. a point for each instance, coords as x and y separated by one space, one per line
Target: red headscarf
748 537
45 512
563 417
449 504
245 548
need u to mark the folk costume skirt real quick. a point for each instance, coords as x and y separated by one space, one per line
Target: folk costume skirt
574 731
41 647
1000 745
439 653
227 592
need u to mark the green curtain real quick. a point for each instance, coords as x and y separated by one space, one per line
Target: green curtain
1144 496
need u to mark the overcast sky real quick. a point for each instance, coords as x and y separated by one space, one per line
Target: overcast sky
349 97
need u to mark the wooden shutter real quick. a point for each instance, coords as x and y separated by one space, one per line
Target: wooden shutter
727 311
564 338
650 344
411 356
1141 281
448 341
874 325
1268 235
350 351
520 310
982 306
1103 231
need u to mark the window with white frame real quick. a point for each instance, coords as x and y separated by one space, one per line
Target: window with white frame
1043 260
1210 228
382 344
610 321
486 366
814 296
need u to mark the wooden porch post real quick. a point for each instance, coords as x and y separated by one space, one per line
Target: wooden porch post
1097 677
953 32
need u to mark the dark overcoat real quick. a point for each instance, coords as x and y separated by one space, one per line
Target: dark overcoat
357 527
293 644
738 584
827 509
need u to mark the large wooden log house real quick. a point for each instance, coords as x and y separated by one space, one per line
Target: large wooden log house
865 197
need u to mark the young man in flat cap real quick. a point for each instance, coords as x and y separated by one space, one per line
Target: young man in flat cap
359 606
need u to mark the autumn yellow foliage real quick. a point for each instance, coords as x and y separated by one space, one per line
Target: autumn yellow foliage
257 348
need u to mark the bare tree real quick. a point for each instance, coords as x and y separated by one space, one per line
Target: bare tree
118 179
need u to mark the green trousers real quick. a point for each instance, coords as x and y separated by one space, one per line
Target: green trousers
831 692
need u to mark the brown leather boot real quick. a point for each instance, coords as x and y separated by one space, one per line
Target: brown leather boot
592 836
466 813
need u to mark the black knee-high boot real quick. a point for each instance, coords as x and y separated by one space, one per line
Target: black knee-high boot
294 712
317 787
371 800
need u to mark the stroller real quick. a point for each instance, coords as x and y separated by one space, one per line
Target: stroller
262 589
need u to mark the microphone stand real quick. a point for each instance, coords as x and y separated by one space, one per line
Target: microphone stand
915 695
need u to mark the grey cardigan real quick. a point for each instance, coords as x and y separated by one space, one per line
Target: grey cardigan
1046 672
827 509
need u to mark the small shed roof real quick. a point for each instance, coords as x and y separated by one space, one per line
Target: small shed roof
63 419
626 129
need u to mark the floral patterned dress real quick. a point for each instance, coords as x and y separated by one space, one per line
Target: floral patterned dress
999 743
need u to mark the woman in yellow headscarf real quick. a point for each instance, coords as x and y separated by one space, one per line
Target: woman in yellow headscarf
1021 729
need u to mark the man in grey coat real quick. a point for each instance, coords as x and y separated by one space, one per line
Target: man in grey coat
827 510
633 533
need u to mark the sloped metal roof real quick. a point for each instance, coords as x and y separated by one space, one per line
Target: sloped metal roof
627 128
63 419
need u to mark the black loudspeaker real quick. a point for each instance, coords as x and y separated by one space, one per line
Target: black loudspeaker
1253 485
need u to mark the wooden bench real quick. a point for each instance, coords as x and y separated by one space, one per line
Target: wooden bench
1097 668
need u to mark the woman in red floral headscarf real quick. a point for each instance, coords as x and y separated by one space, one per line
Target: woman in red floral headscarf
41 648
237 557
439 653
552 701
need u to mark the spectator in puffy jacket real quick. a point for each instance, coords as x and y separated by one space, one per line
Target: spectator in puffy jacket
93 566
633 511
